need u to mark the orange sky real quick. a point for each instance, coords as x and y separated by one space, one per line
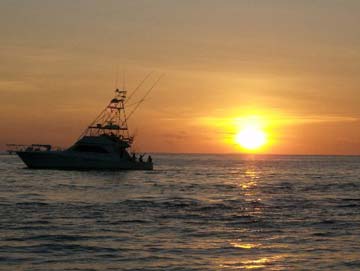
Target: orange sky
293 64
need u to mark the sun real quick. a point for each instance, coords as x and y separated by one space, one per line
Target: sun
251 138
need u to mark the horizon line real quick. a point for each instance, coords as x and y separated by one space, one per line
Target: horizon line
4 152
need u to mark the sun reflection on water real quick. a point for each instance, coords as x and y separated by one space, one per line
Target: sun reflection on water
258 263
244 245
250 179
247 179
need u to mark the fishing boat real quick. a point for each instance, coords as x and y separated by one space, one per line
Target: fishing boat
104 145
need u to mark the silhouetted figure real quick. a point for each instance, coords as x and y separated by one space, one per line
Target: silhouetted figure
134 157
149 160
141 158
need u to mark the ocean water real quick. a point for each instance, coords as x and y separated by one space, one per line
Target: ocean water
193 212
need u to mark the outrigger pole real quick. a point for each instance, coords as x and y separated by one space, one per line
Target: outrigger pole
138 87
138 103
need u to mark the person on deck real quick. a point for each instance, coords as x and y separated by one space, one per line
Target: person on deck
149 160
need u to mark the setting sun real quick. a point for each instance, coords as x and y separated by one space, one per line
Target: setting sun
251 138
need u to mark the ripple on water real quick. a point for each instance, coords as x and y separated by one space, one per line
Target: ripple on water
194 212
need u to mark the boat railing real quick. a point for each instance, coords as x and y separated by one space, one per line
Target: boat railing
13 148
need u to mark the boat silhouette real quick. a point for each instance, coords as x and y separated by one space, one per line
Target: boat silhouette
104 145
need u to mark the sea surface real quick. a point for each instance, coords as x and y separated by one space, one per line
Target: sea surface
193 212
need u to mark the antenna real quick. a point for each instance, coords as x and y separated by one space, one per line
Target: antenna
116 76
123 79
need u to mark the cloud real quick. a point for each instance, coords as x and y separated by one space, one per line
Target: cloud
15 85
266 120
